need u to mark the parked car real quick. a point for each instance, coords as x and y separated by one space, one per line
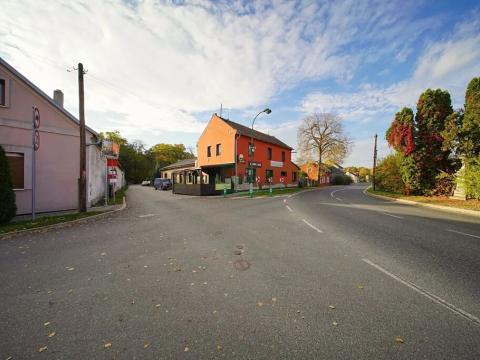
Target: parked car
162 184
146 183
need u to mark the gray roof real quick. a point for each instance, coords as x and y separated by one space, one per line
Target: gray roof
181 164
246 131
43 95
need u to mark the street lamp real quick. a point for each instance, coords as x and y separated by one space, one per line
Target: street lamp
266 111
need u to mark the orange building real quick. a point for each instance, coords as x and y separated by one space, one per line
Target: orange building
312 169
224 153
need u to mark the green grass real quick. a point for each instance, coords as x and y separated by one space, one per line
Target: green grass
265 192
434 200
118 196
44 221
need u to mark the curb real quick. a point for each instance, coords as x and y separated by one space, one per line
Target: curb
61 224
431 206
266 196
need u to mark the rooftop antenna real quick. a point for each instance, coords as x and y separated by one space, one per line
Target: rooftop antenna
221 108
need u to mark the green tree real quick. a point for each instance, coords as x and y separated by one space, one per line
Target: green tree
470 131
166 154
433 109
8 207
388 174
114 136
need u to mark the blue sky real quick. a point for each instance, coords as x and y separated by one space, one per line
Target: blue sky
159 69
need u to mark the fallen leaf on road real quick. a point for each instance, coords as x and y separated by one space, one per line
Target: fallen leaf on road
274 300
107 345
52 334
158 305
47 323
298 311
146 345
178 269
214 311
360 286
145 266
133 302
70 291
260 304
219 347
186 349
9 358
399 339
205 283
103 254
194 271
331 306
42 349
70 268
334 323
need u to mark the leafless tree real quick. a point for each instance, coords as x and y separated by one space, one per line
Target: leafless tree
321 137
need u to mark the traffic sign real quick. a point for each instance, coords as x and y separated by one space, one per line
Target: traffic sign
36 140
36 118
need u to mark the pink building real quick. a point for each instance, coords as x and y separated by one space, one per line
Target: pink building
58 157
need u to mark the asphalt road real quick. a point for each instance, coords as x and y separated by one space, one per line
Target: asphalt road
324 274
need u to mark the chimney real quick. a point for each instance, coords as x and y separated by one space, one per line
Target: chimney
58 98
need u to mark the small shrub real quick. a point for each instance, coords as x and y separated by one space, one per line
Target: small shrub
444 184
388 175
8 207
469 178
341 180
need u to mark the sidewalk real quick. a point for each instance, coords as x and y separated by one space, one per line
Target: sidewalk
26 217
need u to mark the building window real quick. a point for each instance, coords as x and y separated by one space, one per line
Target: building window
16 163
294 176
218 150
283 156
3 92
268 175
269 153
209 151
283 174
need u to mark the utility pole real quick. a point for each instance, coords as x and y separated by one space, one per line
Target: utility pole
374 161
83 155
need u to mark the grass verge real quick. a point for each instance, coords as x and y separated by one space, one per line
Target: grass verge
44 221
119 194
265 192
434 200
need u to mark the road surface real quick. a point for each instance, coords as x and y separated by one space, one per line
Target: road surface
324 274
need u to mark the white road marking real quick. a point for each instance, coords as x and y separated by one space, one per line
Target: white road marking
427 294
462 233
333 192
395 216
146 215
313 227
289 208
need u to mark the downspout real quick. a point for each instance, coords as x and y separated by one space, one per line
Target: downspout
236 158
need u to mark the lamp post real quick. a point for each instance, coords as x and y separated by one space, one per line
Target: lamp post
252 149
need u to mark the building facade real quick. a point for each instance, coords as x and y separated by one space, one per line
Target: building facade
233 155
58 156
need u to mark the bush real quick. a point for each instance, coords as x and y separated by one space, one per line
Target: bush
469 178
444 184
388 175
341 180
8 208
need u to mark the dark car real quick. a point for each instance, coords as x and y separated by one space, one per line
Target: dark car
162 184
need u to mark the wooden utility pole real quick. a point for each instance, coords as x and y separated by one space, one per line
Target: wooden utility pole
83 154
374 161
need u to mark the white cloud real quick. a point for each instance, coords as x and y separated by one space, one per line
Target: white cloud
448 64
154 65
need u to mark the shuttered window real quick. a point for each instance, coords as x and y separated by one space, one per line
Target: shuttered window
16 162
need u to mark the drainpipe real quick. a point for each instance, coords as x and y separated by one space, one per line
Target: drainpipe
236 161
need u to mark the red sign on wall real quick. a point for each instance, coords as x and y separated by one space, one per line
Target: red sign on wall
112 162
